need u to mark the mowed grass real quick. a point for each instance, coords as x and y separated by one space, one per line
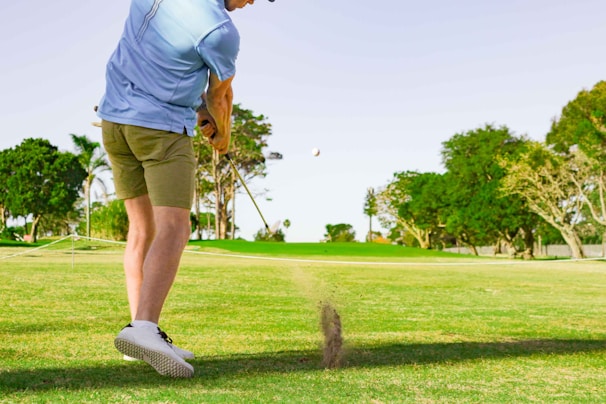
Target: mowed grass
425 327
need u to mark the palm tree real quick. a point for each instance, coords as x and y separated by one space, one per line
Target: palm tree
93 160
370 210
286 223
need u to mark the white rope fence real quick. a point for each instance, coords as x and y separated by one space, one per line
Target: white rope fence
31 250
75 237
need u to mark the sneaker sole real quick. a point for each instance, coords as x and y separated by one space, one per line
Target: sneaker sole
164 364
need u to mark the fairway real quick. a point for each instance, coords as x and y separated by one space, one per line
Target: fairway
418 326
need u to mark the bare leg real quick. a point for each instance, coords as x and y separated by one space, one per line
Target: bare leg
162 260
141 231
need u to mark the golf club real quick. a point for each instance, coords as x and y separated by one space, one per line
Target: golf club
233 166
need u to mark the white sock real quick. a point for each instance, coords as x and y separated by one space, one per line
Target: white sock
143 323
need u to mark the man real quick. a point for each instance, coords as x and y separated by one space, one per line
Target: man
170 53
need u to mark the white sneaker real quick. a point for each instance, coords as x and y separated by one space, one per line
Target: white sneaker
152 346
183 353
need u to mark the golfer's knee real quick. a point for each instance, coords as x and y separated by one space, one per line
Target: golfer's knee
174 231
141 235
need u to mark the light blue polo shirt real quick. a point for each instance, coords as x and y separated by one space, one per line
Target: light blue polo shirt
159 70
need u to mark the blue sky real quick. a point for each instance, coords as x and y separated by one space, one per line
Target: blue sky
376 86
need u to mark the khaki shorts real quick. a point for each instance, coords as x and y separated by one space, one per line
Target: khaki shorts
149 161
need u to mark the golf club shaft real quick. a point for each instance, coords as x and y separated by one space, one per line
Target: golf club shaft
233 166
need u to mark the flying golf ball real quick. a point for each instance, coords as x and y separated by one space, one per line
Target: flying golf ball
315 151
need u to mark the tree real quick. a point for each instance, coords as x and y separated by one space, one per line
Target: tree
249 138
544 179
582 124
579 134
5 172
207 224
110 222
93 160
478 212
370 210
286 224
264 235
340 233
42 181
414 202
61 224
203 187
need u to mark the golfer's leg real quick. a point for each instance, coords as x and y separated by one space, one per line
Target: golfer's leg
162 260
141 230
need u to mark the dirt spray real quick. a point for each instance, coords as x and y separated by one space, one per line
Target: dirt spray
330 322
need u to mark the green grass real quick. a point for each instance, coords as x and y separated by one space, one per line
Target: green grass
438 328
320 249
12 243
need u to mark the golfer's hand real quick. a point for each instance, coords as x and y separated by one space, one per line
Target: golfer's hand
206 123
220 142
208 128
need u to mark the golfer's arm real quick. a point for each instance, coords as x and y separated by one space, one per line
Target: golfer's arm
219 103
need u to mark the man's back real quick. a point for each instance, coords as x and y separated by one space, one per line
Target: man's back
162 62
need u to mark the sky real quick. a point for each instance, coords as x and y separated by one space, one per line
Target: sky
377 86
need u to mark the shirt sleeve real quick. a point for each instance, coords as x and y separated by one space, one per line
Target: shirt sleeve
219 50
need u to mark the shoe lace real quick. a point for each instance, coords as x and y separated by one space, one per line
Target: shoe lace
164 336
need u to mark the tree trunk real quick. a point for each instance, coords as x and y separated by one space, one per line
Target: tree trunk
427 243
422 236
473 249
506 239
528 253
223 189
219 208
219 213
33 237
208 230
233 206
574 242
197 210
87 185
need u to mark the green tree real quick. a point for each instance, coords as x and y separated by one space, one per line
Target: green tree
264 235
370 210
582 124
93 160
579 134
478 212
207 224
62 224
5 172
286 224
109 222
340 233
42 181
414 202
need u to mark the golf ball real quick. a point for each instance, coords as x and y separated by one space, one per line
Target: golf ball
315 151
